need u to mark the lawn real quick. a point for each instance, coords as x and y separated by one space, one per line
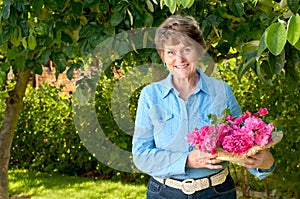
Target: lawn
24 184
35 185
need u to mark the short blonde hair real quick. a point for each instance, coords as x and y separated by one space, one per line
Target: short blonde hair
175 28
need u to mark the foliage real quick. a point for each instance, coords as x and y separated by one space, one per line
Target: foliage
264 32
32 32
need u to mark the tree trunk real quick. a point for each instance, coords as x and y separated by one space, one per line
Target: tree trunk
14 106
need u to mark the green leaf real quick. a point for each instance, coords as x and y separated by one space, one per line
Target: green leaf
70 72
297 45
66 37
293 30
16 38
44 57
277 62
245 66
116 19
266 6
7 33
150 5
259 72
20 62
226 112
31 42
24 42
76 7
5 66
12 53
51 4
36 68
262 45
71 51
276 36
104 7
187 3
148 19
171 4
250 47
60 62
86 31
37 5
266 68
293 5
237 8
6 11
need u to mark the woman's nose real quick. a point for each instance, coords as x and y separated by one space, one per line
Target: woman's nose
181 57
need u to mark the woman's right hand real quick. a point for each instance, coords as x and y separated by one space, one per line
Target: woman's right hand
198 159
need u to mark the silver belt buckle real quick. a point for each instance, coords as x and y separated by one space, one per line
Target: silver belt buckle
188 186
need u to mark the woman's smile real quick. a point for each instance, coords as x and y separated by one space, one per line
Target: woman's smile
184 66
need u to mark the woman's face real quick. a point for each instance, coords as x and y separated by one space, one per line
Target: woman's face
181 59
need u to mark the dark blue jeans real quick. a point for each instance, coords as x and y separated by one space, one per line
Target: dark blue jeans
226 190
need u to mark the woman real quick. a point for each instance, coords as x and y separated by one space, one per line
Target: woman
169 109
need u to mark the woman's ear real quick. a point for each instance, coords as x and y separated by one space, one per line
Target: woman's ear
165 64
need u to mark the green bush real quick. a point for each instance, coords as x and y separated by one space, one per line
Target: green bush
46 138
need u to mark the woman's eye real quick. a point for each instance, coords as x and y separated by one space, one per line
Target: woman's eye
187 50
170 52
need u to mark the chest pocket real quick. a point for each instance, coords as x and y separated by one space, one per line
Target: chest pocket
164 123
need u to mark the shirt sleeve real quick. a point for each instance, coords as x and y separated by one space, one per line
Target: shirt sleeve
262 173
146 156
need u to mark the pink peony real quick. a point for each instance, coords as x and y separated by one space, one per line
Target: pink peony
194 137
223 130
238 142
254 123
264 136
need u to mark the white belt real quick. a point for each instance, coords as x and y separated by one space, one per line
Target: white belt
190 186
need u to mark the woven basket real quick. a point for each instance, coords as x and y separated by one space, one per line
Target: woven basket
239 159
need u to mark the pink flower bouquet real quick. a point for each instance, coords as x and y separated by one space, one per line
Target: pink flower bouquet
234 139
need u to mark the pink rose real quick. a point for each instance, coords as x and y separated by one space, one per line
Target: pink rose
263 111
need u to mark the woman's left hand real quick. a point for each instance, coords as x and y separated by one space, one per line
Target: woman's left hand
262 160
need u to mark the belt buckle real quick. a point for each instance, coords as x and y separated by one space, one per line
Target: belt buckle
188 186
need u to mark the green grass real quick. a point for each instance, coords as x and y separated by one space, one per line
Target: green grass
38 185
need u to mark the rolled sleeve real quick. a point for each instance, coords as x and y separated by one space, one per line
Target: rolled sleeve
262 173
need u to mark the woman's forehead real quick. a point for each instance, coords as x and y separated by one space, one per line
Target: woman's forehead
179 45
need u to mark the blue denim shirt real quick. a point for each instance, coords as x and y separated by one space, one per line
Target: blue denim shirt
163 119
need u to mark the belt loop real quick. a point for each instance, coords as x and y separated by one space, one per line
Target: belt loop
164 182
209 181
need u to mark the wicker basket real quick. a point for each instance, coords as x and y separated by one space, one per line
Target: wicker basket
239 159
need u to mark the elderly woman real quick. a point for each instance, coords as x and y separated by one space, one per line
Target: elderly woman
169 109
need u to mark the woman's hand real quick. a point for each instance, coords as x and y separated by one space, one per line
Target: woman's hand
262 160
198 159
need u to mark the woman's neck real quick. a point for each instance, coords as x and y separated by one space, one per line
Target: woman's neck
186 86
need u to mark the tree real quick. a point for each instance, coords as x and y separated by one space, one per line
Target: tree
263 35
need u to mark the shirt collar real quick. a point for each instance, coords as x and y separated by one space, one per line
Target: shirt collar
167 83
